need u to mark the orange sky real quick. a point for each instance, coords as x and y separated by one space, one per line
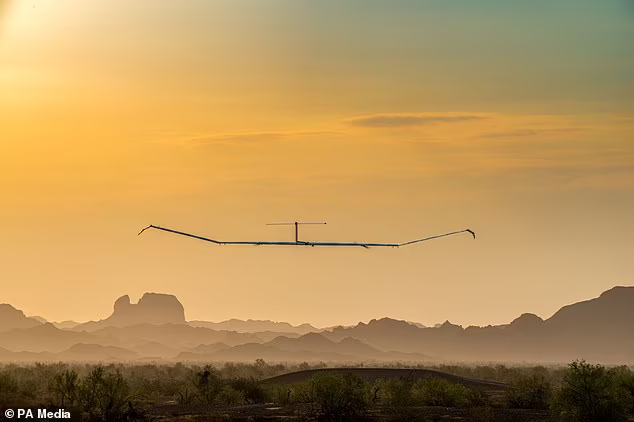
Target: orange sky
389 120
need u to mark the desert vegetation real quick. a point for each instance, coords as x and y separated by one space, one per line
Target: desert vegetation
579 391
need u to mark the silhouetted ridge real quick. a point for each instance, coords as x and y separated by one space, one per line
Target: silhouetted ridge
449 326
11 318
152 308
96 352
389 323
253 325
526 322
596 330
623 292
613 308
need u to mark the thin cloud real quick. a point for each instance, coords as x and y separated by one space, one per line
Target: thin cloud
510 133
411 120
247 138
529 132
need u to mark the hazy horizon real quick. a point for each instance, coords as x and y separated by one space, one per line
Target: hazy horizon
391 121
134 300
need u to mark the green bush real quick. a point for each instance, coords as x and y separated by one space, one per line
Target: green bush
398 399
340 398
303 393
530 392
158 382
9 390
229 396
208 384
477 398
65 387
440 392
592 393
625 379
106 396
250 388
185 397
280 394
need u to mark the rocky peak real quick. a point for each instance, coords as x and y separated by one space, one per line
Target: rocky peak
526 321
449 326
152 308
390 323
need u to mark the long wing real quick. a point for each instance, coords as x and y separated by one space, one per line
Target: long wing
355 244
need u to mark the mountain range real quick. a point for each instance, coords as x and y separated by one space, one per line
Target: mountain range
155 328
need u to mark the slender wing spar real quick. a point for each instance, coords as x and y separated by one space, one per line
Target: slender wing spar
302 243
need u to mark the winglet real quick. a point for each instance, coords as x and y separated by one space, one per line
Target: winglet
472 232
150 226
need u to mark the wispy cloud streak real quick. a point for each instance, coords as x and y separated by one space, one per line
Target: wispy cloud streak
411 120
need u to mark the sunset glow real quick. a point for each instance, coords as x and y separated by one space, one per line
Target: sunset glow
389 120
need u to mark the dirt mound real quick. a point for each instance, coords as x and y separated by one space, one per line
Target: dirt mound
372 374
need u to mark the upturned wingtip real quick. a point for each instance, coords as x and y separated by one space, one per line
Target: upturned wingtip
144 230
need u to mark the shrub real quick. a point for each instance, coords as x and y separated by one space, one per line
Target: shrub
303 392
303 396
625 379
530 392
478 398
65 387
398 398
9 390
250 389
440 392
185 397
208 384
106 396
229 396
340 398
280 394
592 393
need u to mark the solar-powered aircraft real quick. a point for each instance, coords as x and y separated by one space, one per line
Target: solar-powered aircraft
298 242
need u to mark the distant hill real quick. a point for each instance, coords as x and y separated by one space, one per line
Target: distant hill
152 308
96 352
155 350
175 335
66 325
270 335
11 318
614 308
309 347
11 356
383 334
199 352
597 330
373 374
526 322
78 353
43 338
252 326
39 319
251 351
209 348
